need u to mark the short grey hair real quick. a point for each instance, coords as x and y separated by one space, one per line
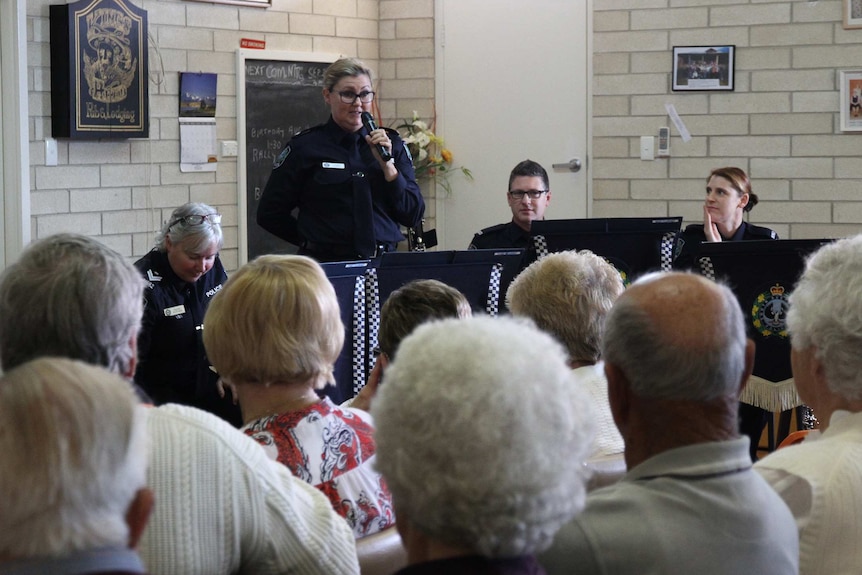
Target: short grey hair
568 294
694 351
826 313
70 296
479 447
74 444
199 236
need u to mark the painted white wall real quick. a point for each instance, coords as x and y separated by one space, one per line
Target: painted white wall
14 141
513 82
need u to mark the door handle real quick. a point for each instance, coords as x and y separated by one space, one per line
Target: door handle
573 166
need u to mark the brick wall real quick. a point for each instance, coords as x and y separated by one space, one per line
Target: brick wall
781 124
123 190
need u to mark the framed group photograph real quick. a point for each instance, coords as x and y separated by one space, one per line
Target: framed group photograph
703 68
852 14
851 100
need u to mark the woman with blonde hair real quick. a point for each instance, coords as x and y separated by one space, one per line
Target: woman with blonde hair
273 333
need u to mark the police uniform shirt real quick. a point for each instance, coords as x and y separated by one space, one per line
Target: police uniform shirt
318 172
508 235
693 235
172 364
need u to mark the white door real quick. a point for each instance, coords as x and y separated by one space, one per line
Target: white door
513 82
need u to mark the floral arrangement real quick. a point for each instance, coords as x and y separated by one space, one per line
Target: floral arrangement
431 160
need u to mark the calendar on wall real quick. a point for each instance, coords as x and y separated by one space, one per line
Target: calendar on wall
197 122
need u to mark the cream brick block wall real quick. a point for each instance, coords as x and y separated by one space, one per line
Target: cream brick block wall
123 190
780 124
407 70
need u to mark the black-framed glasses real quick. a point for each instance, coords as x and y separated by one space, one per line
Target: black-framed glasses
197 219
349 97
519 194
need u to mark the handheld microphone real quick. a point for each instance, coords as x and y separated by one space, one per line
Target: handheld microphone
370 124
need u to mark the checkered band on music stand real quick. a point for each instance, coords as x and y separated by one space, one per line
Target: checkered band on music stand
668 244
372 306
706 268
493 305
359 352
541 246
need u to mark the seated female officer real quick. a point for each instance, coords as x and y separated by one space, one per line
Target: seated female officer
183 272
728 195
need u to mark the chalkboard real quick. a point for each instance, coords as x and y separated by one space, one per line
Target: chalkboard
280 94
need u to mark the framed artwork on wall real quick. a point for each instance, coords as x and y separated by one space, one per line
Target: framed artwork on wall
852 14
851 100
703 68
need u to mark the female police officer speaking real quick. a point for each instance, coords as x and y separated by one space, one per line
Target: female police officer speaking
351 202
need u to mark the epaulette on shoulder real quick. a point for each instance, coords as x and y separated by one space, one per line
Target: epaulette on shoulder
762 231
306 131
495 228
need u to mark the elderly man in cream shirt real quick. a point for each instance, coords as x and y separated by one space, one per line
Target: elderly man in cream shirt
821 479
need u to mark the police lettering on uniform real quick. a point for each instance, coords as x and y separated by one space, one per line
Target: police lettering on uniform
350 203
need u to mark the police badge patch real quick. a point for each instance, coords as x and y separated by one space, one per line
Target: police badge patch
281 157
769 312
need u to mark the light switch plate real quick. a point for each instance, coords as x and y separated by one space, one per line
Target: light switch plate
50 152
647 148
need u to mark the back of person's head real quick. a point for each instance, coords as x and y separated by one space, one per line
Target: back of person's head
415 303
740 181
74 455
196 225
276 320
568 294
529 168
70 296
480 448
677 336
826 313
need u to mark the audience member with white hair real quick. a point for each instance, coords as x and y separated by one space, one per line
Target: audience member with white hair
568 294
73 496
676 358
482 450
223 507
821 479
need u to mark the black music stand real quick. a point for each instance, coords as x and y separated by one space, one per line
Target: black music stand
633 245
762 274
348 279
510 258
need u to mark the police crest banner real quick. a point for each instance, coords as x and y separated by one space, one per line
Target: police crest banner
99 70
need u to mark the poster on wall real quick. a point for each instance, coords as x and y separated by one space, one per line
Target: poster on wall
99 70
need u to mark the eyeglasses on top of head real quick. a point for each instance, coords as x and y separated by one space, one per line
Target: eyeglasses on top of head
519 194
349 97
197 219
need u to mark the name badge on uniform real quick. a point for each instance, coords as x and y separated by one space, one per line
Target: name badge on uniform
333 165
175 310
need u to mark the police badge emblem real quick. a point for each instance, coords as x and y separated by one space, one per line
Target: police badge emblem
769 312
281 157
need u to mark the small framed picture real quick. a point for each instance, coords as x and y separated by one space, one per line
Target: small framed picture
703 67
851 100
852 14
